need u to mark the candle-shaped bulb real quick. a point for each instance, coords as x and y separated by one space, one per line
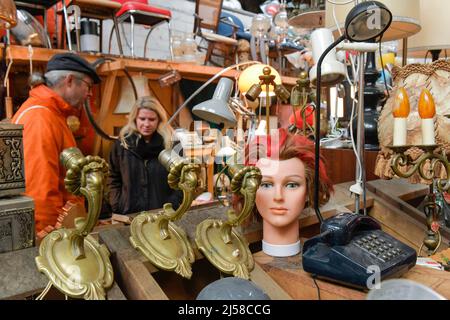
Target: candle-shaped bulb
400 111
427 111
401 104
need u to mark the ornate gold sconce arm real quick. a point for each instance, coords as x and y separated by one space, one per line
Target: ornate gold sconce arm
182 176
245 182
84 176
224 247
74 261
155 235
432 210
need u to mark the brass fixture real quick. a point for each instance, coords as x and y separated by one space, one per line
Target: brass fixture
402 160
154 234
73 260
223 246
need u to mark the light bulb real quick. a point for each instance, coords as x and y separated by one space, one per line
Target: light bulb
427 111
400 112
401 105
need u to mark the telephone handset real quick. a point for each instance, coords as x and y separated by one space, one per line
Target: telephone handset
351 247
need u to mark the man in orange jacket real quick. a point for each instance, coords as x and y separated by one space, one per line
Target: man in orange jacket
65 86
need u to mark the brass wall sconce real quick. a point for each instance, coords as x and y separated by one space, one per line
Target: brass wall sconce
255 91
224 247
154 234
74 261
426 165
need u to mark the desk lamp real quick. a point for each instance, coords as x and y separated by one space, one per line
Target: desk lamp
406 18
357 29
344 250
216 110
405 23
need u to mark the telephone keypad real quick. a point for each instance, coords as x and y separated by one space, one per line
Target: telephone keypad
380 248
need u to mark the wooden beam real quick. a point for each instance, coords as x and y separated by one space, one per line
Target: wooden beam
187 70
105 107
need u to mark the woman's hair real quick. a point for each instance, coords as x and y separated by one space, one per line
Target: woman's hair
285 146
148 103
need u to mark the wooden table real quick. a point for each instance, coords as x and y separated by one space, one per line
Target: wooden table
139 279
289 274
397 218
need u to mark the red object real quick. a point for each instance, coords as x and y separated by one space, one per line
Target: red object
140 12
447 197
144 7
298 116
270 147
45 136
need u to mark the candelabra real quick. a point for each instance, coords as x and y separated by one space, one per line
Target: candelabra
426 165
267 79
301 97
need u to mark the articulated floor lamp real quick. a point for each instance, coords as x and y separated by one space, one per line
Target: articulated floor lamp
358 28
351 243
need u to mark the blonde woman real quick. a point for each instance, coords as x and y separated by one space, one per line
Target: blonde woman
137 180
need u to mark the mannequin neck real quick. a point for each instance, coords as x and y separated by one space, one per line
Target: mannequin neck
284 235
283 250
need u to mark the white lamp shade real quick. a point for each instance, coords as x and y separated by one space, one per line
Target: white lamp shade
332 71
405 18
435 32
216 110
250 76
126 96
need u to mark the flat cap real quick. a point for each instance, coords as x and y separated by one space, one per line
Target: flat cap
73 62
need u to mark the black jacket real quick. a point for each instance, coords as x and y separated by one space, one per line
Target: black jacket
137 180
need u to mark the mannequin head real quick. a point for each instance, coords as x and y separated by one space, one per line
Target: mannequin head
286 189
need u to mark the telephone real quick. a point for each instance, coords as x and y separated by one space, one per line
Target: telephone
351 247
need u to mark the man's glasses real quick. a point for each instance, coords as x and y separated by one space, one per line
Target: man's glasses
87 83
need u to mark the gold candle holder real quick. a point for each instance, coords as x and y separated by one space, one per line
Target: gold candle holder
76 264
401 160
223 246
154 234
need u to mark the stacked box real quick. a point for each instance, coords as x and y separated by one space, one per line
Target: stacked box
12 175
16 223
16 210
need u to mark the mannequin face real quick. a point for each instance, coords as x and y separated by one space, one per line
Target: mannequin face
282 194
146 122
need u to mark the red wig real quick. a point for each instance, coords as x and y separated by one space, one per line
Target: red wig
285 146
